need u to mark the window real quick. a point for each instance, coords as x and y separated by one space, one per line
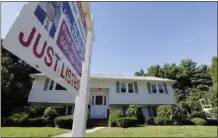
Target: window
93 100
99 100
54 86
160 88
104 100
130 88
59 87
123 87
153 87
51 85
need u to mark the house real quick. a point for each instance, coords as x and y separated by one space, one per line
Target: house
107 92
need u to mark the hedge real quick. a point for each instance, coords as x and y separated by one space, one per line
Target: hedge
126 122
135 111
17 119
60 110
199 121
34 122
37 111
64 122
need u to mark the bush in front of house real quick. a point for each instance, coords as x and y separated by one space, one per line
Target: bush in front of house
60 110
199 121
126 122
17 119
198 114
49 116
149 121
37 111
135 111
114 115
64 122
164 115
34 122
20 109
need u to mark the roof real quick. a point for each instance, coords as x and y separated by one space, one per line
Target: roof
119 77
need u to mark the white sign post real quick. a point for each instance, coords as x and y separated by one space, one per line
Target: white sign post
56 39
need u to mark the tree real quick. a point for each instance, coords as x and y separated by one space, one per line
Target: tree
202 79
15 81
140 73
213 72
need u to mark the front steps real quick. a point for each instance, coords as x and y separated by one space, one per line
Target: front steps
97 122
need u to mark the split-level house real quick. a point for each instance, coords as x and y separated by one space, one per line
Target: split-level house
107 92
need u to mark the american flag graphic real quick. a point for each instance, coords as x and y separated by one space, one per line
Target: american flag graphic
48 14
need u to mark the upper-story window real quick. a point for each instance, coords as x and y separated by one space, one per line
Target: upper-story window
123 87
130 88
160 88
127 88
153 88
54 86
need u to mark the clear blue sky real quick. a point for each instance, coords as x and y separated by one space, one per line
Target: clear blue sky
135 35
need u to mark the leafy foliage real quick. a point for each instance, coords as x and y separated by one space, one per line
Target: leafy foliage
17 119
164 115
34 122
64 121
15 82
135 111
49 116
199 121
126 122
114 115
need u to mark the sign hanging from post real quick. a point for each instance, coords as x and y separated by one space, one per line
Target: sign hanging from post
51 37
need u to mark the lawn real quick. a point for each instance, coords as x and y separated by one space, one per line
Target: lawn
157 131
31 131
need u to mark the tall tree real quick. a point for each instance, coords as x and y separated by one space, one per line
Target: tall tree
140 73
213 72
202 79
15 82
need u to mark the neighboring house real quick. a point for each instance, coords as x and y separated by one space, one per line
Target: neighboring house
107 92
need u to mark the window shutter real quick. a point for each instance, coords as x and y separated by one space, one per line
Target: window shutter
149 88
46 84
165 88
136 87
118 87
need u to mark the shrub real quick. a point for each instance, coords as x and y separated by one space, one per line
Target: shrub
149 121
34 122
135 111
17 119
37 110
49 116
178 115
126 122
187 122
64 121
20 109
198 114
114 115
164 115
3 122
199 121
60 110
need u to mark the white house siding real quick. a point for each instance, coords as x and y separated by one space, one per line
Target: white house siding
38 95
142 97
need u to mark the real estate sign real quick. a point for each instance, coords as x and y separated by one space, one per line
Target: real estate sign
51 37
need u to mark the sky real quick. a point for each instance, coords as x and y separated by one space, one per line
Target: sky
130 36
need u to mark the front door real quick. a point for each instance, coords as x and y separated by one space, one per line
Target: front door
99 107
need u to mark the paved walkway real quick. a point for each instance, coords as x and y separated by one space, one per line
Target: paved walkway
69 134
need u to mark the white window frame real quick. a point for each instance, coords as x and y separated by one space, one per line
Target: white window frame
133 87
162 87
156 88
127 87
54 86
121 87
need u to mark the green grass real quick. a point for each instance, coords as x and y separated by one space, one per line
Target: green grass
31 131
157 131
